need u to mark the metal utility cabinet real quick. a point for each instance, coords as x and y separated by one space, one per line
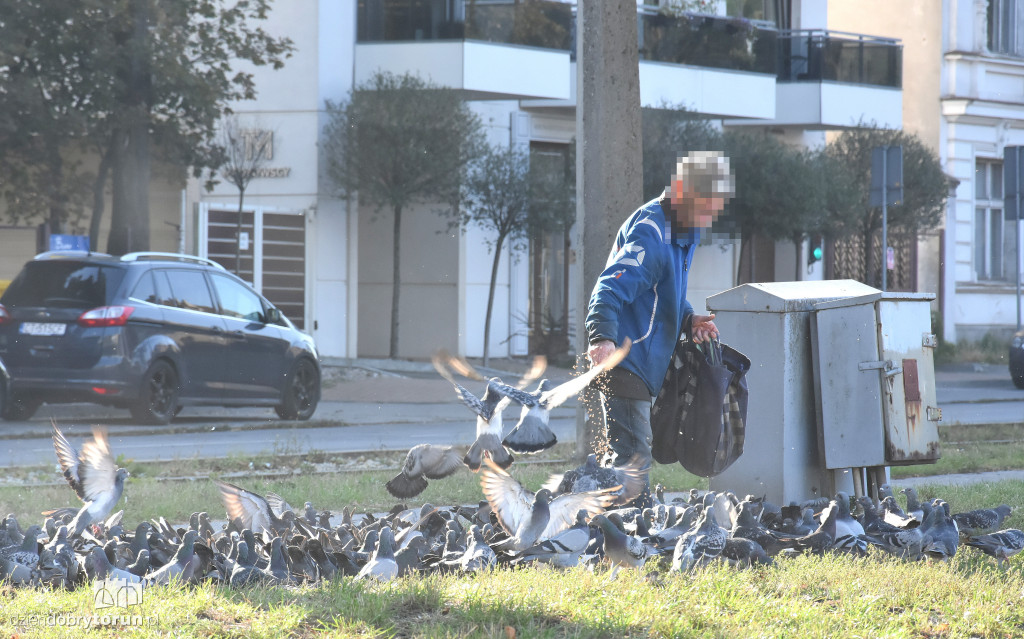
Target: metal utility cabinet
842 385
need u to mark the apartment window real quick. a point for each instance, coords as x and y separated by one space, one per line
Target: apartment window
993 237
1005 34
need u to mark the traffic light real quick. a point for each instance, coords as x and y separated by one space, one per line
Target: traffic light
815 250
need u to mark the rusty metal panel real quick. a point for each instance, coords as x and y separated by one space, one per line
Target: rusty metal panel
911 437
850 421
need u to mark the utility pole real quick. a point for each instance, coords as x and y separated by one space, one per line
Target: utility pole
609 167
886 189
1013 182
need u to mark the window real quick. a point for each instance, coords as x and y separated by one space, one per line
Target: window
993 238
153 288
63 283
236 300
1005 34
190 290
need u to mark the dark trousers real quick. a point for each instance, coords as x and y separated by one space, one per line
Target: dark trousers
628 426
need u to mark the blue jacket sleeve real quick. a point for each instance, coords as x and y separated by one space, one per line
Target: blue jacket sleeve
631 269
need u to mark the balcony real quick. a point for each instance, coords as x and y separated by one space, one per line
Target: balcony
488 50
829 79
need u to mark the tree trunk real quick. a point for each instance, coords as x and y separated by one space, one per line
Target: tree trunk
538 338
131 173
58 201
98 186
238 235
490 297
397 282
797 245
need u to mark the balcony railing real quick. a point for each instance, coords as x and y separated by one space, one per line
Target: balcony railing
536 23
814 55
708 41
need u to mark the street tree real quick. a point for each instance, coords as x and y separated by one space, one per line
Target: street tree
925 187
668 133
396 141
125 81
245 153
497 198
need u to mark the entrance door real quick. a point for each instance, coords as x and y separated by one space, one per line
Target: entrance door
271 254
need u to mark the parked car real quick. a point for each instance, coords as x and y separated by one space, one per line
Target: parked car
1017 360
150 332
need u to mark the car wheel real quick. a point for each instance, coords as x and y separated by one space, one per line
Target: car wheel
20 407
158 399
301 393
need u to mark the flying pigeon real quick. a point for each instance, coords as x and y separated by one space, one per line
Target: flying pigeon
1002 545
250 510
530 518
488 409
592 476
532 434
93 474
424 461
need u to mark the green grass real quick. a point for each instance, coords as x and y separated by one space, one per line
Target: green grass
831 596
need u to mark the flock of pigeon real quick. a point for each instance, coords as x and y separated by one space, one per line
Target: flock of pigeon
587 515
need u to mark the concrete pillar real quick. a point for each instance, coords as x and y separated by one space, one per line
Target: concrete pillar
609 172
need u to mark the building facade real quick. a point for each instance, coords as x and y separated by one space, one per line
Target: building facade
771 64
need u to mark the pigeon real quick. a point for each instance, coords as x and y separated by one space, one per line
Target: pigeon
93 474
529 518
700 546
532 434
982 521
914 508
488 409
620 549
1002 545
478 555
182 566
250 510
941 537
382 565
593 476
424 461
564 549
741 552
101 568
823 537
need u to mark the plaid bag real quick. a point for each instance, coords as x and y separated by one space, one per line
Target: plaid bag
699 417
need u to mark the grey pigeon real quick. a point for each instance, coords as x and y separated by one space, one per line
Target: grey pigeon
93 474
741 552
982 521
620 549
424 461
183 565
822 538
700 546
1002 545
478 555
941 537
564 549
592 476
382 565
101 568
250 510
914 508
532 433
529 518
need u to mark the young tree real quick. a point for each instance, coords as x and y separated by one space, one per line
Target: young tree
396 141
124 80
924 187
497 197
244 155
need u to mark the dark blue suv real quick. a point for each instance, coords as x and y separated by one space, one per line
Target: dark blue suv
150 332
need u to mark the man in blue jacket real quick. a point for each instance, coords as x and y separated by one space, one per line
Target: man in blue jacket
641 294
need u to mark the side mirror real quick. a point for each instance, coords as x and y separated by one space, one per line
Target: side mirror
274 315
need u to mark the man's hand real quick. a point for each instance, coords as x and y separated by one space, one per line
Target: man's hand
599 351
702 328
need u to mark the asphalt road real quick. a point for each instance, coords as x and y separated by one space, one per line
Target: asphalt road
967 397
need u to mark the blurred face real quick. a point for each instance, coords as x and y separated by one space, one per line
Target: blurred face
693 210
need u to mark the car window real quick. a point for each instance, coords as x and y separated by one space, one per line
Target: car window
152 287
62 283
236 300
189 290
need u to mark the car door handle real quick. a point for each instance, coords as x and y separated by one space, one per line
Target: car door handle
237 334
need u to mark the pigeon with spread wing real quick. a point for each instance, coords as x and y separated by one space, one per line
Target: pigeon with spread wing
93 474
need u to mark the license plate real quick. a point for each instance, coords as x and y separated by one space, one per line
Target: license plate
43 328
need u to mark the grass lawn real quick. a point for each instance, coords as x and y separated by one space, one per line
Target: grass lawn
832 596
